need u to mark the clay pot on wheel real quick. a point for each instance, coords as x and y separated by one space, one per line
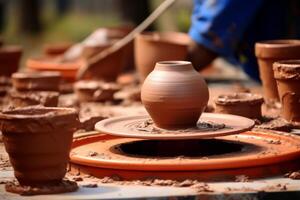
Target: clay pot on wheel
152 47
9 59
269 52
243 104
41 81
174 94
38 141
287 75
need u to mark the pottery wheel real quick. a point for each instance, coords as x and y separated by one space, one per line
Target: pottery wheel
210 125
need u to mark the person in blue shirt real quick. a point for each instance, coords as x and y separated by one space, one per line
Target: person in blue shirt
230 28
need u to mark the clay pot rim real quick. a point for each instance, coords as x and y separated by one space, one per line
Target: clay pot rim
36 75
238 98
14 93
164 37
11 49
171 64
274 48
288 63
48 63
48 112
95 85
287 69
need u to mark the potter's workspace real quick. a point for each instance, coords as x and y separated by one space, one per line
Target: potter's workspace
149 99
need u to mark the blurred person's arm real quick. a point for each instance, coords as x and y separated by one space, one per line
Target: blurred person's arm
217 28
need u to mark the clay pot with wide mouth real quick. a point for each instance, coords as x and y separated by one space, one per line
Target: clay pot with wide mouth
152 47
287 75
243 104
10 57
38 141
29 98
38 81
268 52
88 91
56 49
174 94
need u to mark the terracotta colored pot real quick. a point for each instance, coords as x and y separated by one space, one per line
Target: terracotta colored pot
23 99
95 91
38 141
243 104
269 52
53 50
151 48
174 94
9 59
68 70
287 75
41 81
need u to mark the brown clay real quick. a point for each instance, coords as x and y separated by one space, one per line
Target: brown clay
153 47
39 81
38 141
9 59
269 52
22 99
243 104
57 49
174 94
287 75
95 91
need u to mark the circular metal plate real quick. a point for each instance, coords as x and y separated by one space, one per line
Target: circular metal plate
133 127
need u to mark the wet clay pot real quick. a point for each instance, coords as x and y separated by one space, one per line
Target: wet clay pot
174 94
243 104
39 81
287 75
67 70
53 50
268 52
38 141
22 99
88 91
9 59
152 47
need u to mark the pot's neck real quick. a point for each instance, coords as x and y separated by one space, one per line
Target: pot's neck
174 66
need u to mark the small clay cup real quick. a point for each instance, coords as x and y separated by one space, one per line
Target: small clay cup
243 104
287 75
152 47
38 141
174 95
22 99
9 59
268 52
38 81
88 91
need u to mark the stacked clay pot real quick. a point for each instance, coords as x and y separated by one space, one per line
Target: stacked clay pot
38 141
269 52
35 88
242 104
287 75
152 47
10 57
174 95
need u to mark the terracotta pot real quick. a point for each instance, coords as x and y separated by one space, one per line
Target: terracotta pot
9 59
41 81
174 94
287 75
269 52
151 48
38 141
23 99
95 91
243 104
68 70
57 49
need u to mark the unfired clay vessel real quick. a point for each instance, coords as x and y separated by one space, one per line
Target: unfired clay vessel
267 52
174 94
243 104
9 59
41 81
152 47
287 75
29 98
38 141
87 91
